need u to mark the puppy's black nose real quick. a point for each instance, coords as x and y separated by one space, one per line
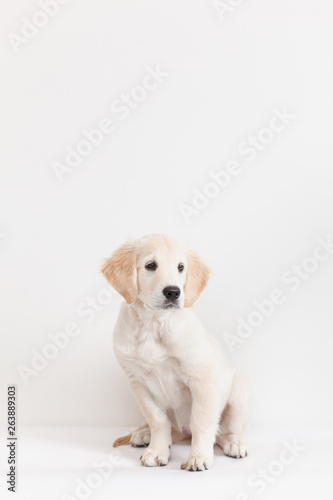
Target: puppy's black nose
171 292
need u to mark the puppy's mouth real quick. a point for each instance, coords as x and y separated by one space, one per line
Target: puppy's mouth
171 305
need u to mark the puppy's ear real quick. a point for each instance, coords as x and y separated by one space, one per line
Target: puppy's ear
196 278
120 271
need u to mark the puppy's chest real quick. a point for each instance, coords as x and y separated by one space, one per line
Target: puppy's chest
148 356
152 350
151 354
159 370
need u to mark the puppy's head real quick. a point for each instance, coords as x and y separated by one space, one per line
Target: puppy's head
158 271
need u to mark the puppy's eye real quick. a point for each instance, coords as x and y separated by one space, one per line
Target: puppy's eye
151 266
180 267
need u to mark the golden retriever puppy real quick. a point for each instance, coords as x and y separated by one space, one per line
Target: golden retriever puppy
177 371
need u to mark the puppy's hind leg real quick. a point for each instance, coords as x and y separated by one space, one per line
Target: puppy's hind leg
140 438
235 419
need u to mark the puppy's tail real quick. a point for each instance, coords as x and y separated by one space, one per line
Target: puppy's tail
122 440
127 439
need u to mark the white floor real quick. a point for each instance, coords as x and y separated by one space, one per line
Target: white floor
60 463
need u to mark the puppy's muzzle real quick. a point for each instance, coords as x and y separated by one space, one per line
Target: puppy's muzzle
171 293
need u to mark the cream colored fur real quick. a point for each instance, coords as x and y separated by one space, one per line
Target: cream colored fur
178 373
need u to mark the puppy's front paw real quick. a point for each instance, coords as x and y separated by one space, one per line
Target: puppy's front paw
153 458
197 463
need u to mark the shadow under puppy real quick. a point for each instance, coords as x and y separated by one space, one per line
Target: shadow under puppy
177 371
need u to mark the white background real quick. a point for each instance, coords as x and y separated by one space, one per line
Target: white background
225 78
